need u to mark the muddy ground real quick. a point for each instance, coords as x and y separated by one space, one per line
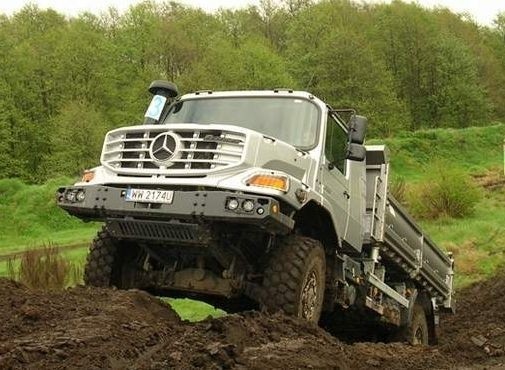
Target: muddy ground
87 328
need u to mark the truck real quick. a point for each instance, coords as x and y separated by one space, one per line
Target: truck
266 199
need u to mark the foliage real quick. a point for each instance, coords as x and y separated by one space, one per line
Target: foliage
79 128
447 192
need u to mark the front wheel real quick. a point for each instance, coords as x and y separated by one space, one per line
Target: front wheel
109 264
294 279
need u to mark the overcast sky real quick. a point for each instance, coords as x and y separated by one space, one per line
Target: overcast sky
483 11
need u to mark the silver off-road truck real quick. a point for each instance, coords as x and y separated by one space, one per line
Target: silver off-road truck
260 197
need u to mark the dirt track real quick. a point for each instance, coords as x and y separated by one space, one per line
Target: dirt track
98 328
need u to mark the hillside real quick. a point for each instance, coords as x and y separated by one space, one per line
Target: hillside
477 241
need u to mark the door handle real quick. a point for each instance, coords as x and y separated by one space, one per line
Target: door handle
346 194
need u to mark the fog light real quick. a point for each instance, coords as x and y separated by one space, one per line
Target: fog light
80 196
232 204
248 205
70 196
260 211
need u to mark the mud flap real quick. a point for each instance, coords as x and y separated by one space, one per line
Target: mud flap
408 313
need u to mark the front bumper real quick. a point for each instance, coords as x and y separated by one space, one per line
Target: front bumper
105 203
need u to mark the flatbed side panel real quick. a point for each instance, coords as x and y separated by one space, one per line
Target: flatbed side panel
419 254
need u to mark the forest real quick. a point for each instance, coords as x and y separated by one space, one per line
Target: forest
65 81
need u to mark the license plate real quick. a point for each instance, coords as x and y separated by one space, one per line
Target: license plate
149 196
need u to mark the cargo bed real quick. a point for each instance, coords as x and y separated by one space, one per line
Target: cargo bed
399 237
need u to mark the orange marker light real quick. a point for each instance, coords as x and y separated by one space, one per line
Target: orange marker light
88 176
270 181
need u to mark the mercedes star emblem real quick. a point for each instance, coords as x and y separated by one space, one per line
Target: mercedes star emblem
164 147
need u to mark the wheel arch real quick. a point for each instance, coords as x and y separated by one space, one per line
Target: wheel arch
315 222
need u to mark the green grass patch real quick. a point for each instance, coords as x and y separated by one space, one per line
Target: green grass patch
472 149
192 310
30 218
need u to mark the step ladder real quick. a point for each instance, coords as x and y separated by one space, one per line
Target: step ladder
380 204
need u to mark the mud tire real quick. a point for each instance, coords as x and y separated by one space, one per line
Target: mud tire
296 266
102 264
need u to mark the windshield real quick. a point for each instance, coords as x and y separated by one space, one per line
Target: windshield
292 120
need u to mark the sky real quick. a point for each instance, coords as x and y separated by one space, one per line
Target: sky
483 11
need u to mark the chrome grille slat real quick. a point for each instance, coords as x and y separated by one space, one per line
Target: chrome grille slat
213 161
208 141
117 151
119 141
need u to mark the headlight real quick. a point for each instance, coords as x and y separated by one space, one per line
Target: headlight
270 181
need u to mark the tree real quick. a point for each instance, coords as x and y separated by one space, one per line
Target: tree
336 64
76 139
253 65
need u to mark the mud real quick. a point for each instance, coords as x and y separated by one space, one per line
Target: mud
84 328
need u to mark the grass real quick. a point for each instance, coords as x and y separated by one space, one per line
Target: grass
477 241
472 149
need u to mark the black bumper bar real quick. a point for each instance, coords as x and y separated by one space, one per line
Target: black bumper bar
105 203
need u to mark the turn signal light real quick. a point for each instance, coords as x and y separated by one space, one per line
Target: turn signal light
88 176
270 181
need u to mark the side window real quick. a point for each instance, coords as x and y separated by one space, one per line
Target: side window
336 144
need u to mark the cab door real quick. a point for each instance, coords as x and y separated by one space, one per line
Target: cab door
335 187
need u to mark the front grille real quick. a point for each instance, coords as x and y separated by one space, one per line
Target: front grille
157 231
126 151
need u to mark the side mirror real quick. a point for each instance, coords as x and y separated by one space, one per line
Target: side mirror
357 129
356 152
163 92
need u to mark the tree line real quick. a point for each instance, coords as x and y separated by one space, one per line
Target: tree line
65 81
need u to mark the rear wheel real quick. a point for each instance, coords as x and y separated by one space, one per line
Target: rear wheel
294 279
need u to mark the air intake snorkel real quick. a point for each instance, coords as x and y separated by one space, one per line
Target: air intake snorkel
164 92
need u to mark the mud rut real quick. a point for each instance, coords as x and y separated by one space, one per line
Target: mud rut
88 328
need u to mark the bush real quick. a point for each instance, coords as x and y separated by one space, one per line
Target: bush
398 189
45 269
448 192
